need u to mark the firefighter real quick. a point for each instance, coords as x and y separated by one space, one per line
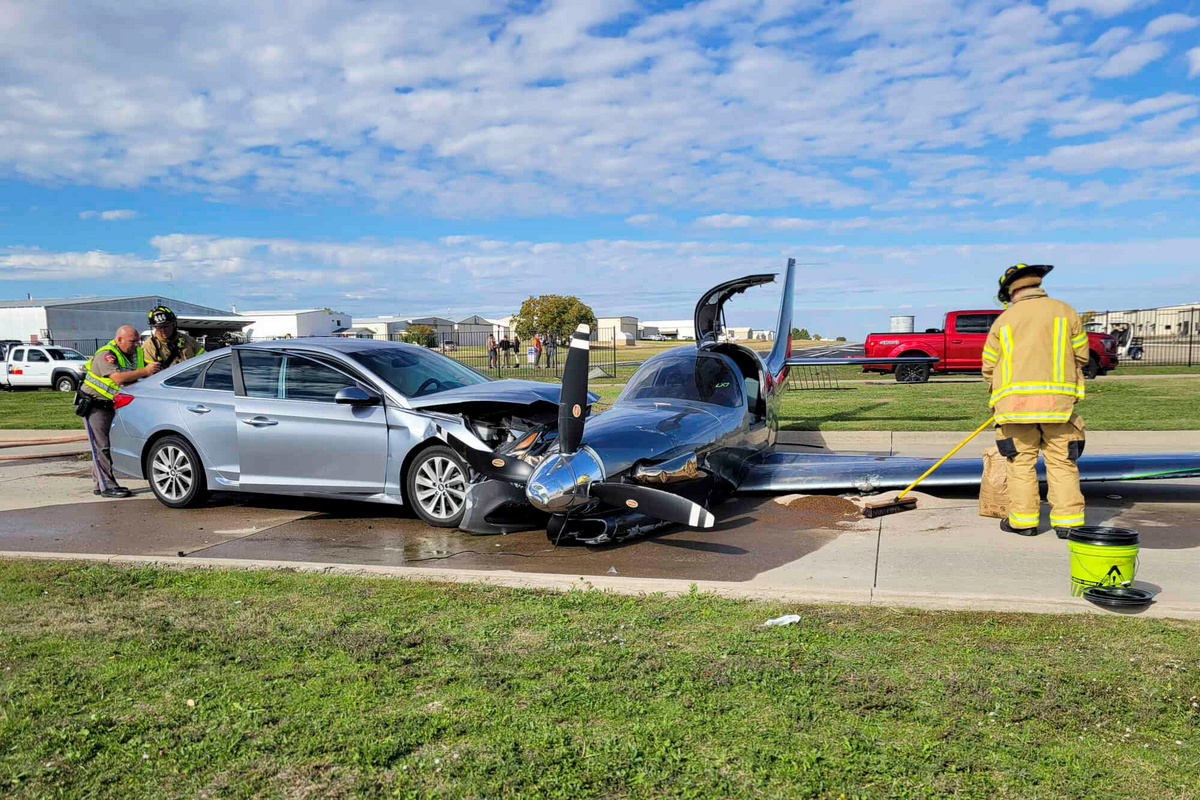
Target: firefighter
116 364
1033 361
168 346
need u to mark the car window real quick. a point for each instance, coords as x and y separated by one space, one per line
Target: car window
37 355
185 378
18 355
974 323
706 379
219 375
260 372
308 380
61 354
417 372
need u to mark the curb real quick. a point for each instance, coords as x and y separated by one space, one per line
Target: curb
932 601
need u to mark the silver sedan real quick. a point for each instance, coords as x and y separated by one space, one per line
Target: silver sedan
357 419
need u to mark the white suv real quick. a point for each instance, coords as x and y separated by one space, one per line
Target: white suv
31 366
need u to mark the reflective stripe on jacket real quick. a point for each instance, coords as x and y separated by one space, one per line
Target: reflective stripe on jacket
1032 359
106 387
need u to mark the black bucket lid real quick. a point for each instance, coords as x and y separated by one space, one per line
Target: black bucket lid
1096 534
1118 596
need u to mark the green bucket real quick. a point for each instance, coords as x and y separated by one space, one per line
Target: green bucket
1102 557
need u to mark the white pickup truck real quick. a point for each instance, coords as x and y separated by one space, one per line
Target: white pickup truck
33 366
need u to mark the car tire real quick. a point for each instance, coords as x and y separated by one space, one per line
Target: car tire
912 373
1092 368
176 473
436 486
65 383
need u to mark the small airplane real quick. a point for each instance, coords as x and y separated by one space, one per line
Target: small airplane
693 425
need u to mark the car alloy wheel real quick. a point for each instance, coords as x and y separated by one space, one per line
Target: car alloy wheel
175 473
438 486
65 384
912 373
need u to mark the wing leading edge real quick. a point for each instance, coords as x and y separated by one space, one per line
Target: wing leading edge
778 472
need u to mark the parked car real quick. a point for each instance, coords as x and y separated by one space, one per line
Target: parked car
354 419
33 366
959 346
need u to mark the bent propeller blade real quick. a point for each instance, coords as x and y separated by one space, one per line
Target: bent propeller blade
654 503
573 399
492 465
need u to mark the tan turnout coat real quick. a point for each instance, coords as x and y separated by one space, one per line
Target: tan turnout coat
1033 359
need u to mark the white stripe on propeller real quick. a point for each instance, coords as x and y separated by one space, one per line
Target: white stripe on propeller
700 517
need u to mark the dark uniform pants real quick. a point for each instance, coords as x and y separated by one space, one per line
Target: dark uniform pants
98 422
1061 444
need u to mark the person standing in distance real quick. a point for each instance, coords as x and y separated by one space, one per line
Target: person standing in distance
116 364
168 346
1033 360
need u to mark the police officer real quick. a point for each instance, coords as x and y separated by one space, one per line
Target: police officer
116 364
168 346
1033 360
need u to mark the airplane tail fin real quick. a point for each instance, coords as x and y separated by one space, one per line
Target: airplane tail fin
782 349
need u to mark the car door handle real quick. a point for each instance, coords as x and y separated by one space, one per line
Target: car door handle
956 341
260 422
198 409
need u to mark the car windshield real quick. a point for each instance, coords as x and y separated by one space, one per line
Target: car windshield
416 372
704 378
62 354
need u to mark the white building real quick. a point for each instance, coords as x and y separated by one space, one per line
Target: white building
738 334
673 328
386 327
1161 322
297 322
78 321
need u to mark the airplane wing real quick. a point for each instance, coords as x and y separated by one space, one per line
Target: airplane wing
781 472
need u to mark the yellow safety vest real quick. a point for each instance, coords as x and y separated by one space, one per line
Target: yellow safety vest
106 387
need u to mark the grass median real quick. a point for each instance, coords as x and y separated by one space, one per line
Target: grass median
1152 404
131 683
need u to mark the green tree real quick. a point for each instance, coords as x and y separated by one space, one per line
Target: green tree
801 333
840 339
419 334
816 337
553 314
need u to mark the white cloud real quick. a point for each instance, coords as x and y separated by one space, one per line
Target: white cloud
1130 60
646 220
725 221
470 274
472 108
111 215
1193 62
1170 23
1101 8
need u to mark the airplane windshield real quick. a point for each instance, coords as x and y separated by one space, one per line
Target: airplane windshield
704 379
415 372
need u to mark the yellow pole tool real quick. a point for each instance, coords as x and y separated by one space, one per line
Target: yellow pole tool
900 503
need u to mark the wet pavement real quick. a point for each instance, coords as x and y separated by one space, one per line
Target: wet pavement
943 555
753 535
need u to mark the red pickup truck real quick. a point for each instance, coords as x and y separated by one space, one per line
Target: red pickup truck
959 346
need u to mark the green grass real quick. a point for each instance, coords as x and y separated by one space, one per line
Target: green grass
1156 404
41 409
1160 404
130 683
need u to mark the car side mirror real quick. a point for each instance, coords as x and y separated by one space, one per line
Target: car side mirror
356 396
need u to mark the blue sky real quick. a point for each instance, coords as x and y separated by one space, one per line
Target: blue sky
456 157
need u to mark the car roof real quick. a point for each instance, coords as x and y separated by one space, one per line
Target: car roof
328 344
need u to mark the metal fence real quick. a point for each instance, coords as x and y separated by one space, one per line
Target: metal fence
1151 337
468 347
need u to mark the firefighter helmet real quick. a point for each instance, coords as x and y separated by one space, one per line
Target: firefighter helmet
1019 271
161 315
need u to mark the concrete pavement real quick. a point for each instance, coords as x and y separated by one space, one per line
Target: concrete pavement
942 555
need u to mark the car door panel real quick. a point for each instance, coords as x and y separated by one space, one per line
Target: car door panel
208 412
298 440
964 344
37 367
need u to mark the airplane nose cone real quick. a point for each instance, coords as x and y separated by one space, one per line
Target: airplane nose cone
561 482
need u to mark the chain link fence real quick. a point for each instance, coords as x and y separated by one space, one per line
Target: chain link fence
521 359
1152 337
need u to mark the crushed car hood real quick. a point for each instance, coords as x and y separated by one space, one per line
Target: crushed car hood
511 392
